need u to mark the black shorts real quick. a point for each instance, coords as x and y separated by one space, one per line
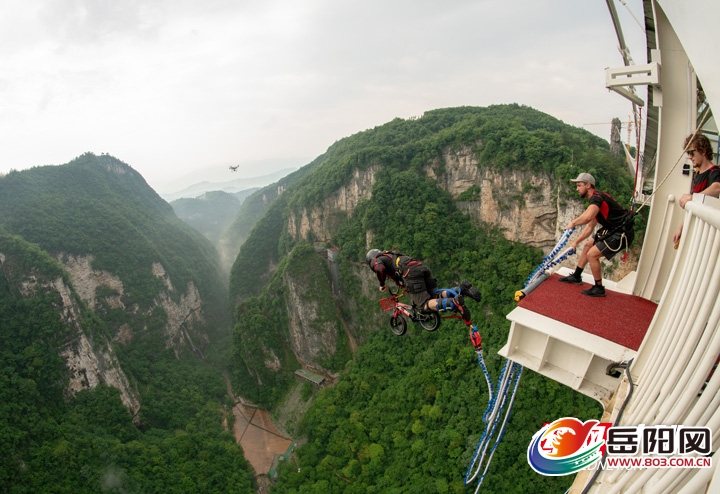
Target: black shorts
418 282
612 244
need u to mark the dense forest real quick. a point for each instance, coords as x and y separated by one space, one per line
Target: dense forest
403 414
89 441
406 413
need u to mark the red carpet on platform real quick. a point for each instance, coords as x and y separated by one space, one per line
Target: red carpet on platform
617 317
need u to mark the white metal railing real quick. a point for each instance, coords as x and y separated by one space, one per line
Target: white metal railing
659 254
677 356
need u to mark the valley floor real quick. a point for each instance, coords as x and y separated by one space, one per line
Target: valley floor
258 436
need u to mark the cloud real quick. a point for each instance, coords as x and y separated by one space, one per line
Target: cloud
173 86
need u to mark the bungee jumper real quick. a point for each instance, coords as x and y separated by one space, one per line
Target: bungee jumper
417 280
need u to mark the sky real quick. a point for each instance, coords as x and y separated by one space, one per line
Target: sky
185 88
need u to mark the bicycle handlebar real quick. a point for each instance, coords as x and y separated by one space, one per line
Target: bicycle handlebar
395 290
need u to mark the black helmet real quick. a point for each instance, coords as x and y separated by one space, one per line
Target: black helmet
372 254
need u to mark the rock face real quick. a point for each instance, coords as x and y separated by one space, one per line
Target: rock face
525 205
323 221
311 338
86 280
91 361
91 366
180 314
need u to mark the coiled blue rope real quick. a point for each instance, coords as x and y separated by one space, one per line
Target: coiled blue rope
549 260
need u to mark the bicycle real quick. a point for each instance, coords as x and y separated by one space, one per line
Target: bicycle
429 320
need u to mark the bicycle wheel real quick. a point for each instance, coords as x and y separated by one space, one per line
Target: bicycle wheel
398 325
430 321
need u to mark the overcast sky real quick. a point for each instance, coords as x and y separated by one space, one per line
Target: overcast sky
175 86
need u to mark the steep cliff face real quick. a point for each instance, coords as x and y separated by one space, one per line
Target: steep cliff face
180 315
525 205
89 357
87 281
313 337
322 222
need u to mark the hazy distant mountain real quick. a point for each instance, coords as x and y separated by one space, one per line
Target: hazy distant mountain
232 185
212 212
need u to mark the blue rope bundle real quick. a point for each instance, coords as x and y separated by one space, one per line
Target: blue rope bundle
548 261
509 378
517 371
481 362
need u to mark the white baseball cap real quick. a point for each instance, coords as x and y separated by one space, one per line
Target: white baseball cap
584 177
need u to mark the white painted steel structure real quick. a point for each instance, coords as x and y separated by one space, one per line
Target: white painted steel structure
683 341
677 356
682 344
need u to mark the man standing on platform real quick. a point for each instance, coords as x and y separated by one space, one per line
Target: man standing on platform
616 232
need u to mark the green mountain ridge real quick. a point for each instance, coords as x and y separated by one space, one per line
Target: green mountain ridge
211 213
144 322
406 412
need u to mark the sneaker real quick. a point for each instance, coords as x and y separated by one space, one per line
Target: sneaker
571 278
595 291
464 311
466 288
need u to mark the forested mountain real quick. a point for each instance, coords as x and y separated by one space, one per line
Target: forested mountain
212 212
112 315
253 209
463 189
117 328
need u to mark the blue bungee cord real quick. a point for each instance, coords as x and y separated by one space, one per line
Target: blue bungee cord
548 261
541 273
481 362
517 372
568 252
510 373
